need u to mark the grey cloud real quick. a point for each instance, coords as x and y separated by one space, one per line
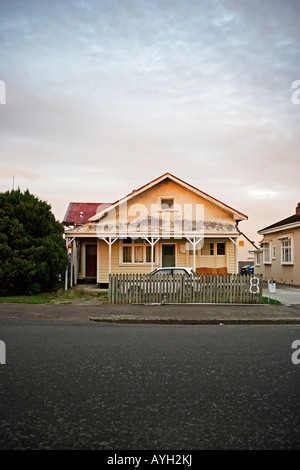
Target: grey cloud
103 90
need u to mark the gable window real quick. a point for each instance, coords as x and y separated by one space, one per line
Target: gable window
267 253
167 204
286 251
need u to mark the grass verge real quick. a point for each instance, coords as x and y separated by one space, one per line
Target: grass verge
61 296
268 300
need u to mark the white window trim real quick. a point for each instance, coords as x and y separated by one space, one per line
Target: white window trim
270 253
287 263
132 263
167 197
258 257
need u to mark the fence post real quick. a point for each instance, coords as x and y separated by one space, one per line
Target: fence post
109 289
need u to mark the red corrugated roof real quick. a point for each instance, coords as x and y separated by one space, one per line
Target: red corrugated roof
79 212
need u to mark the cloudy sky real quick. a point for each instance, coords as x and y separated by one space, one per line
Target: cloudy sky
102 96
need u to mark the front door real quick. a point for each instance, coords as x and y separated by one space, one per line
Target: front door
168 256
91 261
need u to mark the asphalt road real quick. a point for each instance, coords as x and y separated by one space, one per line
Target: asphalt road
108 386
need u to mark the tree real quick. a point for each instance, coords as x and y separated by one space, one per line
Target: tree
32 249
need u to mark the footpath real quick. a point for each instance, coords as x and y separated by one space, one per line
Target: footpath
184 314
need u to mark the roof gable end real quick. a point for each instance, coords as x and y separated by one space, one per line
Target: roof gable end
168 176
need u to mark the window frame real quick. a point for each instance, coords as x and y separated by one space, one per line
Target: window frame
133 244
172 209
267 250
290 249
212 247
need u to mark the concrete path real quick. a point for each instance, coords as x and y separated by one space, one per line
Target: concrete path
189 314
285 294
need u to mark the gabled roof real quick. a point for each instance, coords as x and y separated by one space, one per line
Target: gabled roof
248 239
238 215
78 213
293 219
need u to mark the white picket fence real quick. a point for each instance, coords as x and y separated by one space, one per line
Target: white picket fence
212 288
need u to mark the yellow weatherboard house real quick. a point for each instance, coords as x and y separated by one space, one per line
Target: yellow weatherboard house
166 222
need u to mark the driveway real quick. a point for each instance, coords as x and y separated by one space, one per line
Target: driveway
286 294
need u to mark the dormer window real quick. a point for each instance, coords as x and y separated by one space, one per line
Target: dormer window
167 204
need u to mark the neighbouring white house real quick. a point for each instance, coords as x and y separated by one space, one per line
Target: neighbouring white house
279 256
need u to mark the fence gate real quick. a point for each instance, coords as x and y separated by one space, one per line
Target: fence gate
210 288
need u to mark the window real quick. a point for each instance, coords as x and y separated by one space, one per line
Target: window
221 249
266 253
273 252
138 241
180 271
160 271
138 254
136 251
208 249
257 255
167 204
126 254
286 251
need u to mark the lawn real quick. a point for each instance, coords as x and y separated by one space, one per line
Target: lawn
268 300
74 295
60 296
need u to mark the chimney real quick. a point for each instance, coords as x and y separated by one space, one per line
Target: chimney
298 208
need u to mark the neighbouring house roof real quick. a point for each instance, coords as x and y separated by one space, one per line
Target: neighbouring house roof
78 213
248 239
238 215
293 219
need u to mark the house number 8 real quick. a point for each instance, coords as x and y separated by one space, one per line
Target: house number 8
254 285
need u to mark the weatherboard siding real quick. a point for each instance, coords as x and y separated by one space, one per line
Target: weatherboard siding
231 258
281 273
183 258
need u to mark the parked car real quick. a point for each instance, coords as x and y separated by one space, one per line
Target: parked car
173 271
161 284
247 269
